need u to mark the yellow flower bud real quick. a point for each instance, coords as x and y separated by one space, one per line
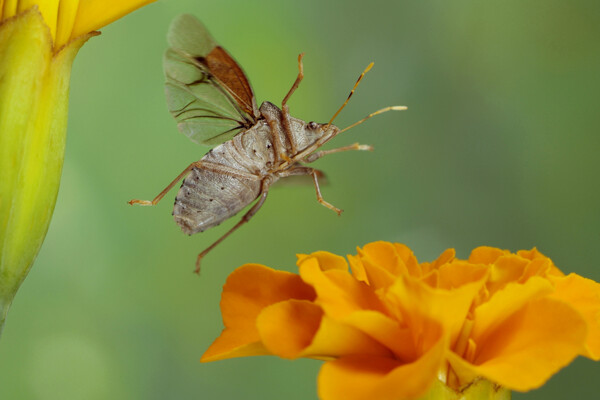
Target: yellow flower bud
38 42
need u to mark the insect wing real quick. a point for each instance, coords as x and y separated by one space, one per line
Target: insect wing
207 92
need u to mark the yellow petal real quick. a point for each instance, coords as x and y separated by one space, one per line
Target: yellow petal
527 348
9 9
34 93
48 9
67 12
364 377
94 14
248 290
298 328
584 295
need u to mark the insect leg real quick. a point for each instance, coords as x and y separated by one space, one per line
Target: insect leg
315 173
287 125
264 190
320 198
162 194
319 154
297 82
277 145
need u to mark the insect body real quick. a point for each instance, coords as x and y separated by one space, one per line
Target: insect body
212 101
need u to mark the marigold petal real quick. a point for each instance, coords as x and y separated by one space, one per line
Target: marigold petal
248 290
506 302
528 348
384 254
383 261
534 254
94 14
508 268
67 12
377 276
231 344
408 258
486 255
9 8
459 273
584 295
446 257
387 331
48 9
358 269
326 260
338 293
538 267
423 308
298 328
363 377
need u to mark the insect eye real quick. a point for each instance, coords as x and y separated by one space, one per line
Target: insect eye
312 125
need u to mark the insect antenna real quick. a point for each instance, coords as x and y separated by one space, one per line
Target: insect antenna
351 92
390 108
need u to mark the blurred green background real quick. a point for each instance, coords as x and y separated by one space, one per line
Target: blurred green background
499 147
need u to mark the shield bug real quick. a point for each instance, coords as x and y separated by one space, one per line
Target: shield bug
212 101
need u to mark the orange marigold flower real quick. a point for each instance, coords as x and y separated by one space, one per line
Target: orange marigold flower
390 327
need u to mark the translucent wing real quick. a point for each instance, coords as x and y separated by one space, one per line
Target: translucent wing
207 91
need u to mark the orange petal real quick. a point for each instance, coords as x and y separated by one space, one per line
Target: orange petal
507 268
535 254
528 348
94 14
504 303
298 328
248 290
538 267
584 295
446 257
232 344
364 377
424 308
387 331
338 293
384 261
357 268
485 255
326 260
408 259
459 273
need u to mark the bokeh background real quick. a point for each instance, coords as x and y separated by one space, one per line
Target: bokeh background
499 147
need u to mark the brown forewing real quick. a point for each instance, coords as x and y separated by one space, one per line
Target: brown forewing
228 72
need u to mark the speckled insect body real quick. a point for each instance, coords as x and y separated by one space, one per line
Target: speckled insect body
230 176
211 99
